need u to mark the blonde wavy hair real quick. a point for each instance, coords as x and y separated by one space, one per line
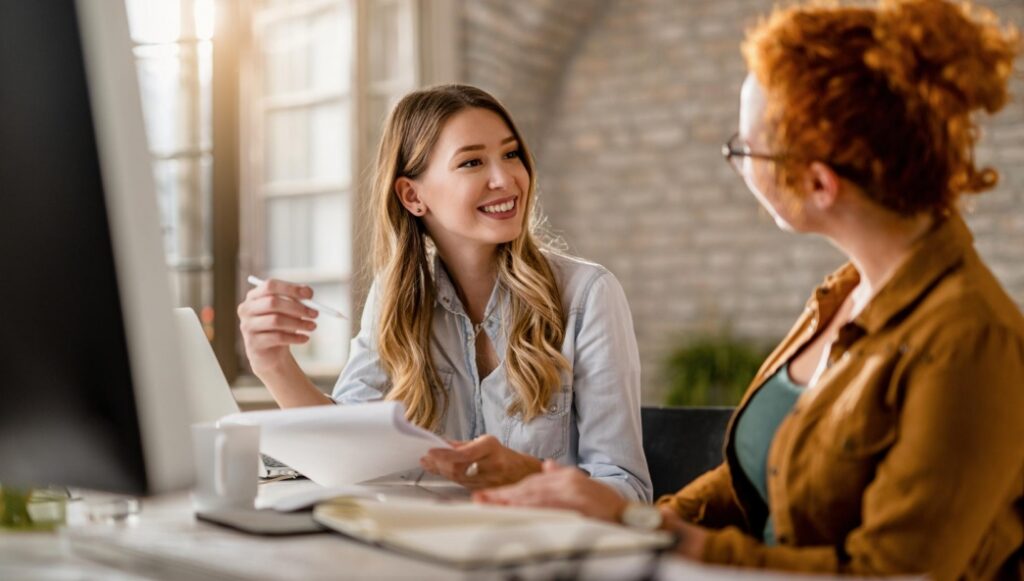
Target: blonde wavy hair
886 94
401 261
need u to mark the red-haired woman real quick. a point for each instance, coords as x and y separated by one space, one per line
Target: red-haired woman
885 434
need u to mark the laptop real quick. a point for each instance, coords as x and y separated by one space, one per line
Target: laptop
207 388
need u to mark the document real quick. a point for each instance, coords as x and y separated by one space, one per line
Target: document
470 535
342 445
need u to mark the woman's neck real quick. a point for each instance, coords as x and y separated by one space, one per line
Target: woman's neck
473 271
877 242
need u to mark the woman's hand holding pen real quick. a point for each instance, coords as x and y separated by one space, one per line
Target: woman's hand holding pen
480 463
272 320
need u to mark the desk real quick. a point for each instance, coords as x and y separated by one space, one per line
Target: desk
165 541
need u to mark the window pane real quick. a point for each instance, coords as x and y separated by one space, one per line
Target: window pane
174 61
384 39
284 52
192 288
309 144
176 86
330 153
159 81
332 40
309 232
391 38
204 18
153 21
330 233
205 72
310 53
184 191
279 232
286 139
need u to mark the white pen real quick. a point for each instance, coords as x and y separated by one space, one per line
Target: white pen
256 281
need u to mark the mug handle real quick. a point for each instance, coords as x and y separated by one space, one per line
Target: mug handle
220 484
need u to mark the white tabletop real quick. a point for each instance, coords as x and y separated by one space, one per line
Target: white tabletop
165 541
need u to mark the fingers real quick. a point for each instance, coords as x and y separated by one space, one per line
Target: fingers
477 448
552 466
277 322
267 340
271 315
556 486
277 297
537 490
278 304
279 287
450 464
485 451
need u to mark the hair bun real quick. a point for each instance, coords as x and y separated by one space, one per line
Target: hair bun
952 58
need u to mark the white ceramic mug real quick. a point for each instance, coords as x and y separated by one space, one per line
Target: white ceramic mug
227 466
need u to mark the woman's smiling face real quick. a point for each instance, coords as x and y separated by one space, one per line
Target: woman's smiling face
475 187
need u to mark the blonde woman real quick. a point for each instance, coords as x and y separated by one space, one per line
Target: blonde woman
516 353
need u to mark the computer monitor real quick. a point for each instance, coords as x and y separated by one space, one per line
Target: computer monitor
91 390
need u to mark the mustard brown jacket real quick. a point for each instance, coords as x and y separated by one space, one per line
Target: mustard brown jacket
908 455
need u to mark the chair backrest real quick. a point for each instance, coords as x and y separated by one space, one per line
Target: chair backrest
681 443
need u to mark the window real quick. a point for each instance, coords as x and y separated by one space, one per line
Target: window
320 77
294 95
173 48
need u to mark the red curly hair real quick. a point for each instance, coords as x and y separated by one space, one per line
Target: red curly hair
885 95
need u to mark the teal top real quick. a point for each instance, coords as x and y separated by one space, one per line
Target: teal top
756 428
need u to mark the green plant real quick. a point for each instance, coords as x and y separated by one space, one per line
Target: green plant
40 509
711 371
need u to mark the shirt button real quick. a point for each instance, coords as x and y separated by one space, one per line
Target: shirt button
773 471
783 539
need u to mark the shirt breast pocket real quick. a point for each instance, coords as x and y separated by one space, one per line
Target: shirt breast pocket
547 435
853 437
860 424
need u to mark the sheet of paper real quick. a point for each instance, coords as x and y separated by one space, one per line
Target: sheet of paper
342 445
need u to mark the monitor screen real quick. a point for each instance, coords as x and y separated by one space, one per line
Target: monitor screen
78 373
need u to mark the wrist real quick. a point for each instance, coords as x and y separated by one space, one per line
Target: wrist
526 466
640 516
269 369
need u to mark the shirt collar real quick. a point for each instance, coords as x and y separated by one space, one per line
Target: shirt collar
446 295
931 257
448 298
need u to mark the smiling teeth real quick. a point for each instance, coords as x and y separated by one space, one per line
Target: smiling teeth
499 208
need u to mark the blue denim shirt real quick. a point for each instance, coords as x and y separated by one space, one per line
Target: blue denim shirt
592 422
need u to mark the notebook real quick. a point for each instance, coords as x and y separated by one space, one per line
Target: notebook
208 390
471 536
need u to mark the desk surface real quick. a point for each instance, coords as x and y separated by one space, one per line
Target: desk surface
165 541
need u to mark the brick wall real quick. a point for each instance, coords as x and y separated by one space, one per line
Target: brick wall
626 104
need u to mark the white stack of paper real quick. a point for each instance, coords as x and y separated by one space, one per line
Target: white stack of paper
342 445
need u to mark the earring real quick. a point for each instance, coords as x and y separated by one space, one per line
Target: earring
419 211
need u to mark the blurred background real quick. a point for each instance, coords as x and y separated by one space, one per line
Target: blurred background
263 118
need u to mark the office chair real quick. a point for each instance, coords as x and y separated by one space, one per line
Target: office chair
681 443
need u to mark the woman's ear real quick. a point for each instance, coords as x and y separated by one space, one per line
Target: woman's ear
408 194
822 185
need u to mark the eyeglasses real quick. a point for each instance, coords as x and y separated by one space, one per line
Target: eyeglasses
735 150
